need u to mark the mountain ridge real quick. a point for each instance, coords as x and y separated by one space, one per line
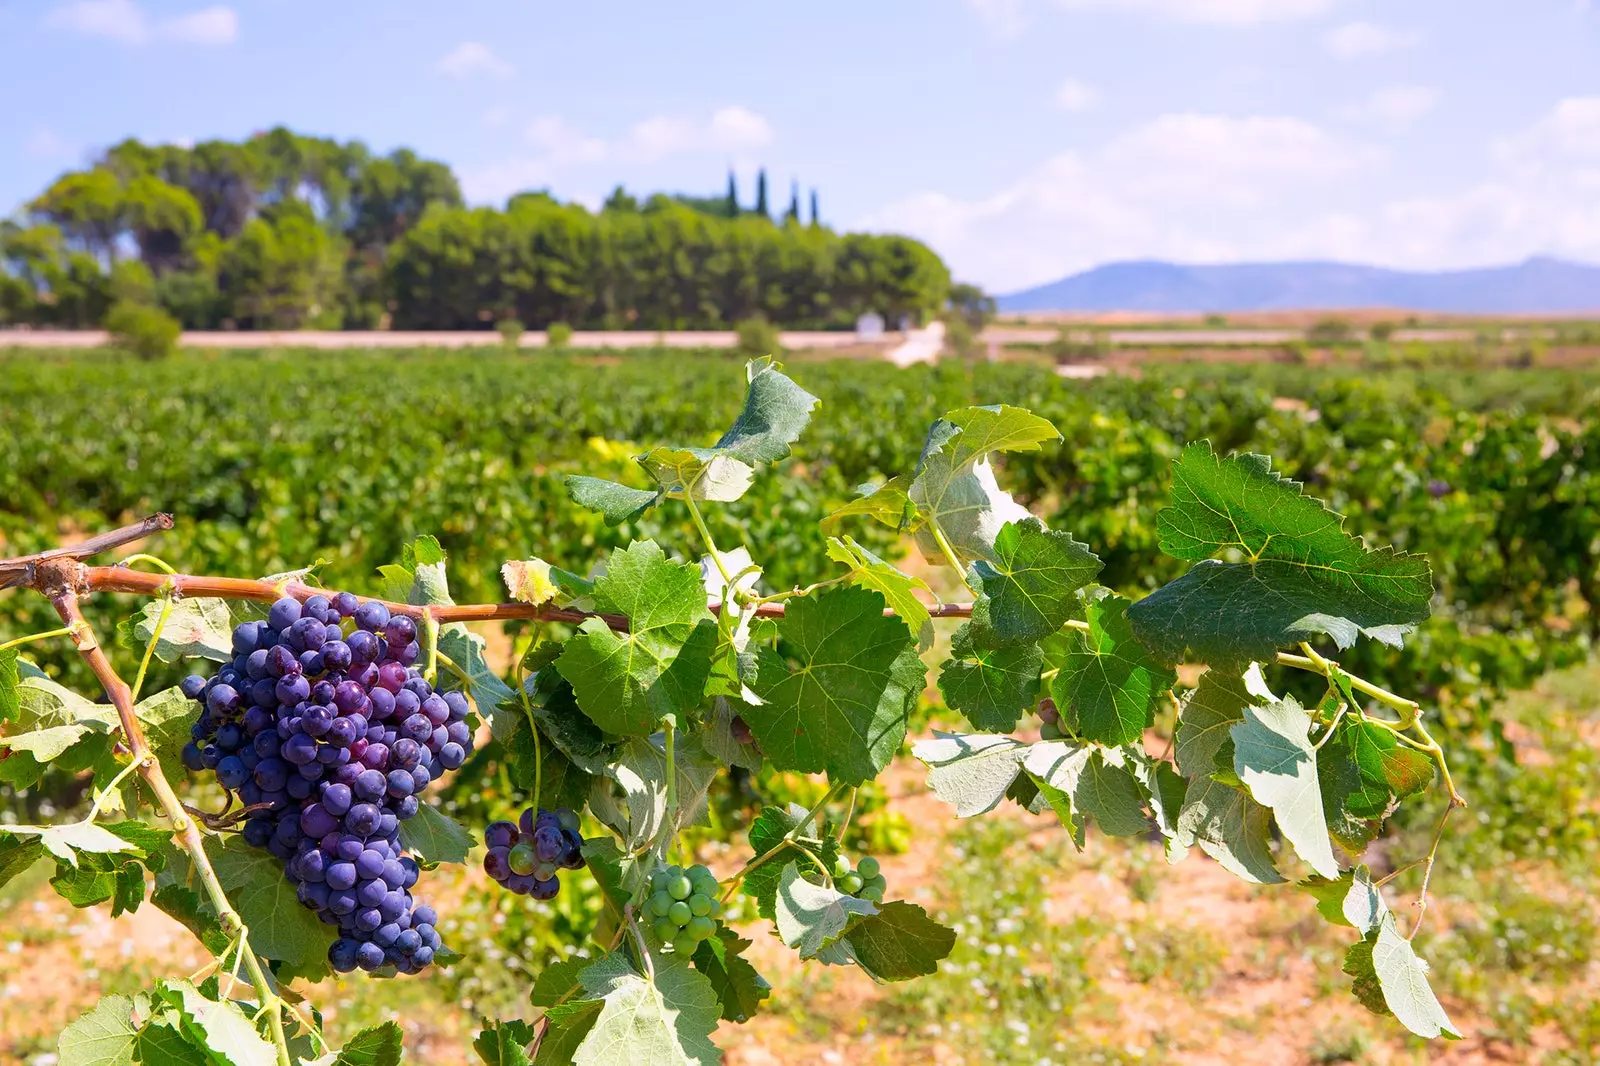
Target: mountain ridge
1540 284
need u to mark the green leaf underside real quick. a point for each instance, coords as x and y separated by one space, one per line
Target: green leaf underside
1027 588
665 1021
872 572
990 686
625 682
1272 755
955 487
889 503
280 928
739 988
775 413
198 628
1389 978
639 773
376 1045
843 708
222 1028
971 772
431 836
615 503
810 917
1302 574
1082 782
10 702
1226 822
1108 679
702 473
104 1036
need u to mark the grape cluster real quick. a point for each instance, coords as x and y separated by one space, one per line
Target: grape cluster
863 882
1049 720
322 724
525 857
683 905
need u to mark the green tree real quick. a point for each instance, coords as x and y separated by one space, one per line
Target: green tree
761 194
283 271
733 195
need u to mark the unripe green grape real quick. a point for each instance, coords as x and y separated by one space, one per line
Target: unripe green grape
685 945
841 866
1050 731
699 905
658 880
522 859
716 908
867 867
665 930
660 903
849 884
678 887
877 880
871 893
700 928
679 913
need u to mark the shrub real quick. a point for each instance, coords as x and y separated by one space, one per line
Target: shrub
142 331
1072 348
510 330
959 336
757 337
1329 332
558 335
1382 331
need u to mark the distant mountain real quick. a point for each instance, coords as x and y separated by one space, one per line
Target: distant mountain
1537 285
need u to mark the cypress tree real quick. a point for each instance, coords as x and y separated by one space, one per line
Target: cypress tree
793 214
761 193
733 195
814 207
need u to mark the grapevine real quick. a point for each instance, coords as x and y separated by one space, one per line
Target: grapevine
328 714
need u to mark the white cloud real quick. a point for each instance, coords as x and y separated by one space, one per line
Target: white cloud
125 21
739 127
1396 105
45 144
558 143
1355 40
1228 12
472 58
1206 188
1074 95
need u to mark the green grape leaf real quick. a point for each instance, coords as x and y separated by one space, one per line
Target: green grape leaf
616 503
1329 895
280 928
1027 586
566 1028
1225 821
1363 907
166 717
563 783
104 1036
10 702
1298 574
843 707
971 772
632 798
1107 678
163 1042
1389 978
1081 782
809 917
1272 755
869 571
222 1028
889 503
556 980
419 578
626 682
67 840
1346 797
898 943
955 486
717 737
767 833
46 745
701 473
186 906
431 836
1164 790
1386 766
554 706
992 687
505 1043
379 1045
469 651
775 413
665 1021
619 877
200 628
739 988
16 856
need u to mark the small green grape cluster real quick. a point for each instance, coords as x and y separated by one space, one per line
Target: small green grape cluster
684 905
863 882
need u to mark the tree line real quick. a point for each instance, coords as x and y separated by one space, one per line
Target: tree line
284 231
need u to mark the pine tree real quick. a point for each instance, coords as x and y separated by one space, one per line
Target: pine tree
761 193
814 221
733 195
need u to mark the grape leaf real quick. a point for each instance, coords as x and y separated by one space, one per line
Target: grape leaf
1389 978
504 1043
566 1028
16 856
200 628
889 503
869 571
166 717
701 473
185 906
553 704
529 581
162 1042
775 413
616 503
1329 896
809 917
767 833
67 840
717 737
639 771
991 686
667 1020
955 487
431 836
1386 765
843 708
10 702
46 745
1272 755
419 578
738 986
1226 822
102 1037
469 651
377 1045
1164 790
1301 574
626 682
221 1028
280 928
562 782
1362 906
1346 797
556 980
1083 782
1107 678
971 772
1027 586
898 943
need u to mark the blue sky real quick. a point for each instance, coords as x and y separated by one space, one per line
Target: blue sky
1023 138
